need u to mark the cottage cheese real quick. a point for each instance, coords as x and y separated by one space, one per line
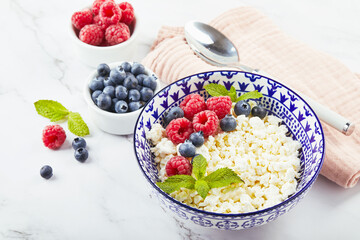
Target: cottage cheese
258 151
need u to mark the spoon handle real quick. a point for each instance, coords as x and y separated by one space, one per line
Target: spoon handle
332 118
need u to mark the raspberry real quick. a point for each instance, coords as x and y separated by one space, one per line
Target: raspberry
192 104
81 19
179 130
178 165
127 11
110 13
117 33
207 122
53 136
220 105
91 34
96 6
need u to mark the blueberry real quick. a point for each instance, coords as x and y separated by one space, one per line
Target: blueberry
103 70
133 106
258 111
108 82
96 84
242 108
95 94
134 95
146 94
117 75
78 142
126 66
121 92
175 112
150 82
187 149
140 78
139 87
103 101
228 123
137 68
81 154
113 102
197 138
121 106
109 90
129 74
130 82
46 172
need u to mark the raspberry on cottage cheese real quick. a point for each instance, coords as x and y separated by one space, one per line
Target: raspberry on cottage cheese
258 150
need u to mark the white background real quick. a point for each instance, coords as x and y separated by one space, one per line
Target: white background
107 197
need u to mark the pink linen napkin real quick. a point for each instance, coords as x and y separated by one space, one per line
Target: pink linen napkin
263 45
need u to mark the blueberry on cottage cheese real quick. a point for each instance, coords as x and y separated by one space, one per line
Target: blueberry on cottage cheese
78 142
103 70
228 123
242 108
46 172
134 95
187 149
103 101
137 68
121 92
197 138
121 106
146 94
258 111
81 154
126 66
175 112
133 106
130 82
117 75
150 82
109 90
95 94
96 84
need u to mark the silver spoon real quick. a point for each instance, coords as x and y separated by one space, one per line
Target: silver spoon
216 49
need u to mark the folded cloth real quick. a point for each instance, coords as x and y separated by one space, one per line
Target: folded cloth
263 45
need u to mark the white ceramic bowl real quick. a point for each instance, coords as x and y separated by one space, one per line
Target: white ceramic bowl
93 55
114 123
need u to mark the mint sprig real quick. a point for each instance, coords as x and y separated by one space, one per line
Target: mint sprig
217 90
220 178
55 111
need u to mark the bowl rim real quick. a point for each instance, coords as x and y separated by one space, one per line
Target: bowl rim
193 209
107 48
91 104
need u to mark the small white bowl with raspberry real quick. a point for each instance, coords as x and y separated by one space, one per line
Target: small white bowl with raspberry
116 93
104 32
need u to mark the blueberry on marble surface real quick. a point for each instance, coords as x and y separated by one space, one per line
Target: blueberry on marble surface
78 142
81 154
46 172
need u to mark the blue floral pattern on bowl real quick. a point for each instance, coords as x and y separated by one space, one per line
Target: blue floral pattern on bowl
278 99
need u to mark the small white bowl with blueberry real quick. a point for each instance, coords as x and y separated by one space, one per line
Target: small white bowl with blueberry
116 92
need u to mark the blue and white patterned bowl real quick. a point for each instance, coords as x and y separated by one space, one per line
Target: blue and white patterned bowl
278 100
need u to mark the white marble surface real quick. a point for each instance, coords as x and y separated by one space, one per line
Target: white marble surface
107 197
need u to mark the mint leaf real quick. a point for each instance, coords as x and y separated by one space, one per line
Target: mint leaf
202 188
222 177
176 182
216 90
199 166
52 110
232 94
77 125
250 95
